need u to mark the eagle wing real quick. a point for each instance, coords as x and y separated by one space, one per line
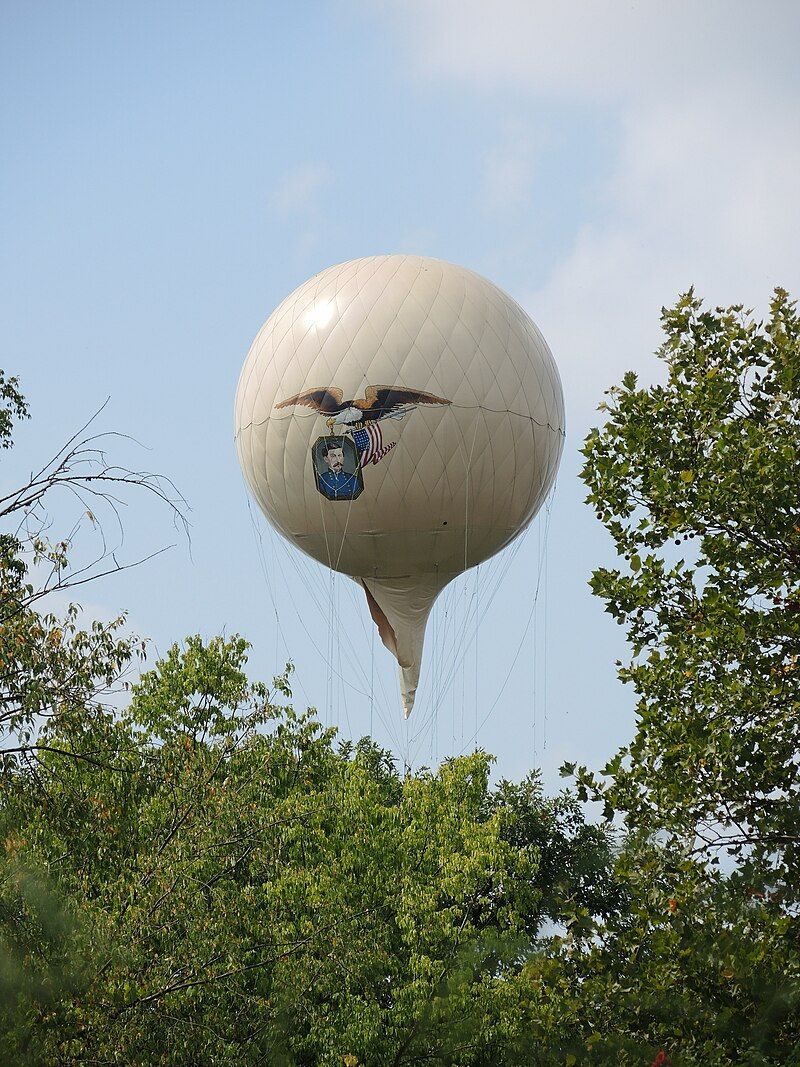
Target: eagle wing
386 398
328 401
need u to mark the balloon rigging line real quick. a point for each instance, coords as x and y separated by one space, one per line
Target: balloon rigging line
544 672
324 531
467 469
270 586
310 577
524 635
262 561
459 643
463 674
539 657
358 612
342 693
453 705
388 724
437 692
335 644
360 615
477 649
456 654
344 532
314 578
371 680
278 629
329 650
426 720
441 683
498 569
536 653
319 651
328 657
466 491
544 642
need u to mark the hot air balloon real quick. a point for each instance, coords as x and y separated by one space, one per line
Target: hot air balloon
400 419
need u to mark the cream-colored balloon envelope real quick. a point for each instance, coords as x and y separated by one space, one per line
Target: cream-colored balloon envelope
400 419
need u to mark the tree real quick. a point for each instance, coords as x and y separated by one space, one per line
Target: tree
204 875
56 682
257 893
49 666
697 480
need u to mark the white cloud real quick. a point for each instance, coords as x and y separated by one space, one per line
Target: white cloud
700 101
596 49
703 195
297 191
703 187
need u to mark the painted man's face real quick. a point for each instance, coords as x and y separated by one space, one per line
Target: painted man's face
334 457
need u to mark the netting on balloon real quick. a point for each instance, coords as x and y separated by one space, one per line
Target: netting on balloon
489 458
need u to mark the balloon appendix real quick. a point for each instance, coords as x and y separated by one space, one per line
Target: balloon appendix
400 419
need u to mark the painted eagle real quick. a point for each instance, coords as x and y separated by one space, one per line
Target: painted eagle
379 402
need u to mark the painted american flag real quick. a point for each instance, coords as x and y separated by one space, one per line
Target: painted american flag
369 442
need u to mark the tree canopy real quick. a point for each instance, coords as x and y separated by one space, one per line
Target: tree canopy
196 872
238 887
698 482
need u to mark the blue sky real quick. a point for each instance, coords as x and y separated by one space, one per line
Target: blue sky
171 171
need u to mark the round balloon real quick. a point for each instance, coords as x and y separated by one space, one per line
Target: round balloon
400 419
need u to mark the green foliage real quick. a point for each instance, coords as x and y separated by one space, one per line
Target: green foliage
694 969
698 481
258 894
573 872
51 667
43 950
208 876
201 691
12 407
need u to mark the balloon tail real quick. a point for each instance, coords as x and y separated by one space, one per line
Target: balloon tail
400 608
385 628
409 678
